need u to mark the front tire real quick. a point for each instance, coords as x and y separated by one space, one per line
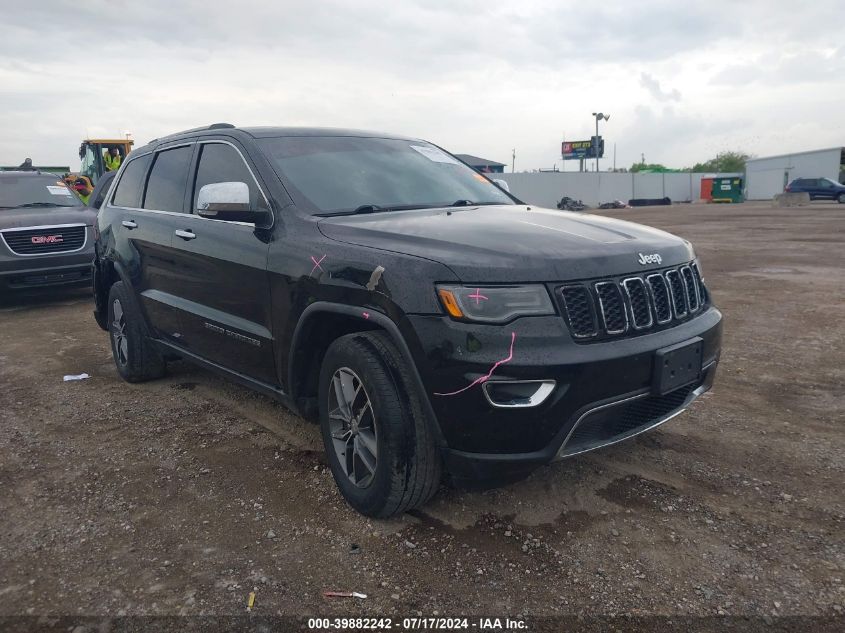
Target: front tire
134 355
378 438
841 198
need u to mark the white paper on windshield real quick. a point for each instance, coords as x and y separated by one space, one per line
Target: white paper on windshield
58 191
432 153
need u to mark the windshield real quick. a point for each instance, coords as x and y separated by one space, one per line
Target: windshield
89 164
333 174
42 191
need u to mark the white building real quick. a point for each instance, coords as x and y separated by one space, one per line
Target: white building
545 189
765 177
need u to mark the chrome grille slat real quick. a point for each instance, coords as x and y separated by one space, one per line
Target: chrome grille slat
699 283
691 288
578 304
614 316
677 292
660 297
638 300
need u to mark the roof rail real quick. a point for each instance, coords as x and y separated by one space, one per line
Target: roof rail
213 126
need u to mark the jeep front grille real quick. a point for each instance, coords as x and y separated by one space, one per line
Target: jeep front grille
45 240
601 309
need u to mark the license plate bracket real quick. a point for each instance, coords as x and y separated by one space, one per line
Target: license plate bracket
677 365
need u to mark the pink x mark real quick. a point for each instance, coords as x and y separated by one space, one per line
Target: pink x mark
316 264
478 296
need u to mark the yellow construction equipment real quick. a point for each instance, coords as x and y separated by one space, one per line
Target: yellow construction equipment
92 152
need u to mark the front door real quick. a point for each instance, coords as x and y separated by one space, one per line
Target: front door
223 280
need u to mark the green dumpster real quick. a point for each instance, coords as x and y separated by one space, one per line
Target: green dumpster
727 189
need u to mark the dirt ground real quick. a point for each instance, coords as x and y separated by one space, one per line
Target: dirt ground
183 495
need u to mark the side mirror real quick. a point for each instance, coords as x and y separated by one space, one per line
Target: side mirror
228 201
503 184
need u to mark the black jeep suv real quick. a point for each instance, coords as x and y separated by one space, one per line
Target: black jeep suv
429 319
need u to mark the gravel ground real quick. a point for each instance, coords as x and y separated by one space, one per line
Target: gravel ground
184 495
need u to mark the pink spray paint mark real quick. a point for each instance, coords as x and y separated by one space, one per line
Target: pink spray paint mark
316 264
478 296
489 373
366 315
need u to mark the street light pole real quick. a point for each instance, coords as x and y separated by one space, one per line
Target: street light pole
599 116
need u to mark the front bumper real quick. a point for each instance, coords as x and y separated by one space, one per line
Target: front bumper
28 273
602 394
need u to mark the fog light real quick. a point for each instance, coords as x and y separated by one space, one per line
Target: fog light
512 394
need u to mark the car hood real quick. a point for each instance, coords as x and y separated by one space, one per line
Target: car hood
513 243
45 216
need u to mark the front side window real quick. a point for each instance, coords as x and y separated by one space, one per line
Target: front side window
168 177
128 192
219 162
35 191
331 174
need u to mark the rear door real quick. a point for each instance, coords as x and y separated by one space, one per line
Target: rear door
142 245
810 185
222 273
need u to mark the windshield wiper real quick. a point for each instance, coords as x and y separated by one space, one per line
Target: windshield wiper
41 204
368 208
470 203
373 208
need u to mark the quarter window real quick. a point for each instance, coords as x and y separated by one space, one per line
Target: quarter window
166 185
222 163
128 192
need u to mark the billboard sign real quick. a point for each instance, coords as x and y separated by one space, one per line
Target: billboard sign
571 150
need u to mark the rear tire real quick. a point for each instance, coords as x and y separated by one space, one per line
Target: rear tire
841 198
378 438
134 355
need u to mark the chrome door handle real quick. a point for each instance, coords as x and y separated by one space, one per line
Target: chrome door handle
185 235
130 224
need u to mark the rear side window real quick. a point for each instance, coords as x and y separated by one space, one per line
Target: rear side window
168 177
222 163
128 192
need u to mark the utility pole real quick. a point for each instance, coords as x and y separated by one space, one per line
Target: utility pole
614 157
513 159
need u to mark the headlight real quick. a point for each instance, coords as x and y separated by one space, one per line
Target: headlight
495 304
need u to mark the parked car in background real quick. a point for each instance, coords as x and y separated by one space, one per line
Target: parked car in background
818 188
428 319
46 233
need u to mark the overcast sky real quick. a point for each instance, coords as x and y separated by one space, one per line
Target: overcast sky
681 80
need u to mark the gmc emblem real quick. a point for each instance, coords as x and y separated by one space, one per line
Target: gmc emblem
47 239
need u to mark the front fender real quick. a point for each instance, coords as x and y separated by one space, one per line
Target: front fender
372 318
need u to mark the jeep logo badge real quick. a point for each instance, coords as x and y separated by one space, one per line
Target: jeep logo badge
650 259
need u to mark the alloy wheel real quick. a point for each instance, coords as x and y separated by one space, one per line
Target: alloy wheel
118 332
352 425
